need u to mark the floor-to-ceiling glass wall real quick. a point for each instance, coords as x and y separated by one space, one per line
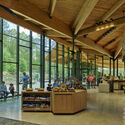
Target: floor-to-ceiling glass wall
35 60
22 53
53 61
46 51
9 52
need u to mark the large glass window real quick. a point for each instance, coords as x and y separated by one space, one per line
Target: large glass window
9 29
9 74
23 62
46 52
9 49
36 54
53 61
30 49
9 53
24 34
35 76
35 60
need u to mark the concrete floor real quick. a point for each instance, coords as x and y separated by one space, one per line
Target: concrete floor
103 109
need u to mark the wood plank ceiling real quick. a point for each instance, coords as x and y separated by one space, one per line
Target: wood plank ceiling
97 24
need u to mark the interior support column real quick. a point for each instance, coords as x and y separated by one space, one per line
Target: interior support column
91 67
1 50
73 63
87 65
110 66
95 69
78 75
102 66
95 65
63 70
43 60
17 60
41 55
113 67
56 60
30 69
68 61
49 60
117 66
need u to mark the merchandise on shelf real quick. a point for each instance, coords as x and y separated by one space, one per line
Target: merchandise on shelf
32 105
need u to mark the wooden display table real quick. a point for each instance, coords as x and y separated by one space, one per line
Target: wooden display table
69 102
57 102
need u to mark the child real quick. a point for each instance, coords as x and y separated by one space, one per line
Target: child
11 88
49 88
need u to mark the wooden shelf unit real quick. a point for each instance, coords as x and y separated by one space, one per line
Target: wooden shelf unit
36 94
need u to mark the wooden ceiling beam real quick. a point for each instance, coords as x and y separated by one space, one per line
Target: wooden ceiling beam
119 47
90 51
32 12
115 7
84 12
52 33
52 7
109 33
62 41
106 34
116 22
93 45
107 15
110 42
19 21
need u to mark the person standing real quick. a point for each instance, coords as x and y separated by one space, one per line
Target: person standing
93 79
55 84
88 82
25 79
99 78
121 77
111 83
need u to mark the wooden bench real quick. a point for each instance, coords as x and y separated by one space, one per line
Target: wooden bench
16 93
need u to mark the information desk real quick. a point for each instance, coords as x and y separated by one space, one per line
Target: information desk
57 102
69 102
118 84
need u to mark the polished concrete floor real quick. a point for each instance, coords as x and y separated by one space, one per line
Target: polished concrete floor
103 109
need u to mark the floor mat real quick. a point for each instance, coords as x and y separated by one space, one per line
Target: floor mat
6 121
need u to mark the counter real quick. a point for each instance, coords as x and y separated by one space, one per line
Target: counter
69 102
118 84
